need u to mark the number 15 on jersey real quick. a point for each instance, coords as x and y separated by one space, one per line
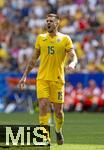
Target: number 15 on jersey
51 50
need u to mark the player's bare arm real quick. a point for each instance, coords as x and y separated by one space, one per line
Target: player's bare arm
73 60
29 67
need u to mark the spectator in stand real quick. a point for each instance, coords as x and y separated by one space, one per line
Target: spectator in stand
26 50
92 94
74 97
101 101
69 103
79 97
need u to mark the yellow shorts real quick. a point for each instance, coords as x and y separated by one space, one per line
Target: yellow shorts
52 90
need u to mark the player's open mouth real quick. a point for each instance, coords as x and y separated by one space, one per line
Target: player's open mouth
49 27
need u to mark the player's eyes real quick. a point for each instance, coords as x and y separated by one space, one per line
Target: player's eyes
48 21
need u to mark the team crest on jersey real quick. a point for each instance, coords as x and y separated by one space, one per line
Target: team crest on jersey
58 40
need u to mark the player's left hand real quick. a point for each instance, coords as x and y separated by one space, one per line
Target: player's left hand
69 69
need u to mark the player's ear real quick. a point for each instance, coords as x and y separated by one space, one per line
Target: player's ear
57 23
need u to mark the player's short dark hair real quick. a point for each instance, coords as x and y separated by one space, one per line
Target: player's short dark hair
53 15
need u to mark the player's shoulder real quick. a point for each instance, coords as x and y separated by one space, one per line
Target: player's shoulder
65 36
42 35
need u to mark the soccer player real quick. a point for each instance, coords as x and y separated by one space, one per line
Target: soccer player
52 48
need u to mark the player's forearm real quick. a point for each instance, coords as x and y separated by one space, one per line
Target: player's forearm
74 59
29 68
31 63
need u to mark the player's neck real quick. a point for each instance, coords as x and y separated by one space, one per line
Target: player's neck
52 34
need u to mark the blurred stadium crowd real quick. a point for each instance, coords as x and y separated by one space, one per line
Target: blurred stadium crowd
22 20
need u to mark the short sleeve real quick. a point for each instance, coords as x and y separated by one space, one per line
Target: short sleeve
37 43
69 44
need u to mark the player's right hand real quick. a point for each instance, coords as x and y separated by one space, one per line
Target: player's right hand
21 83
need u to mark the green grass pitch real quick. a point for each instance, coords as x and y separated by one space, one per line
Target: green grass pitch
83 131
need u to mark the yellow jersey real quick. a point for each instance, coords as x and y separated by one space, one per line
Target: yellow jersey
52 55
